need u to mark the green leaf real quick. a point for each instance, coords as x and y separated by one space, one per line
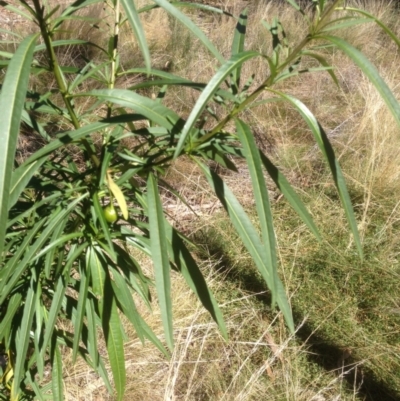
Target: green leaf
149 108
327 150
66 138
56 243
18 266
12 100
191 272
124 297
97 267
65 42
91 343
84 273
9 267
235 61
18 11
261 197
56 374
238 46
323 62
288 192
20 178
159 251
23 339
103 223
249 237
134 20
78 4
115 346
53 316
167 6
369 70
133 273
198 6
388 31
12 306
347 22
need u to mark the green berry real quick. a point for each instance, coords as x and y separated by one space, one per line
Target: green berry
110 214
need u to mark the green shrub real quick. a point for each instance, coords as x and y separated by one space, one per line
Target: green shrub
72 211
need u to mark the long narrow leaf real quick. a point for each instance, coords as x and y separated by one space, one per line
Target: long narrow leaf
392 35
248 235
115 347
134 20
159 252
80 310
193 276
152 110
13 305
56 375
327 150
56 303
370 71
66 138
166 5
238 46
20 178
289 193
23 339
261 196
12 99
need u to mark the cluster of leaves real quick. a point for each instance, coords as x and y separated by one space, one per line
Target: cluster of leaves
62 258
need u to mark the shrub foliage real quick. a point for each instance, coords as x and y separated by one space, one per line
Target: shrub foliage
73 211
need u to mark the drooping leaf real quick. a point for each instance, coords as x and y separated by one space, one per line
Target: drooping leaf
385 28
370 71
289 193
159 251
191 272
114 342
261 197
134 20
248 235
175 13
149 108
329 154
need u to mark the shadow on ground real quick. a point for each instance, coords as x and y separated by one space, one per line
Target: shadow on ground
321 351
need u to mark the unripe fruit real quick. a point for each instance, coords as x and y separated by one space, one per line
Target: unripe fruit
110 214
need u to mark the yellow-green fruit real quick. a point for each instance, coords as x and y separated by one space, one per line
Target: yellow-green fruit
110 214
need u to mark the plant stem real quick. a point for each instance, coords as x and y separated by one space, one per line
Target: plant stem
114 54
269 81
59 77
